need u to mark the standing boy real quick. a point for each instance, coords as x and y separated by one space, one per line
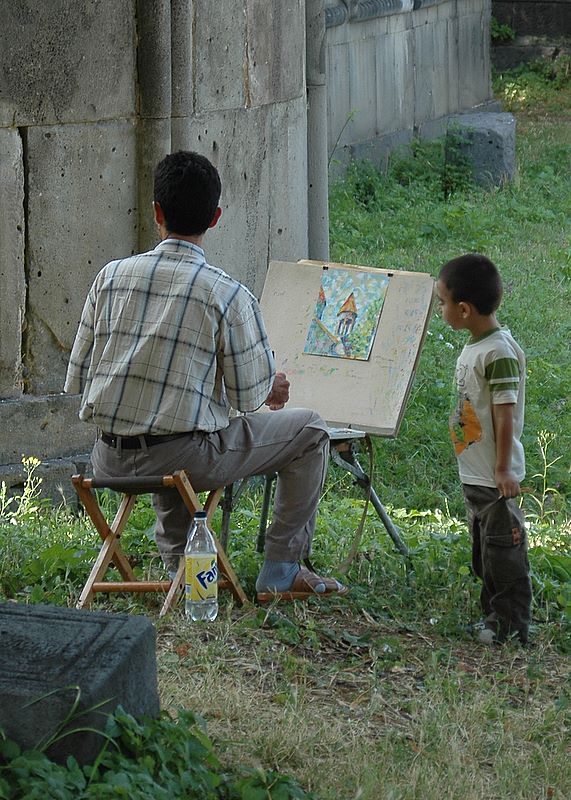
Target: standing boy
486 426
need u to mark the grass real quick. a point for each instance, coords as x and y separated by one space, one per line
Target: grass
382 696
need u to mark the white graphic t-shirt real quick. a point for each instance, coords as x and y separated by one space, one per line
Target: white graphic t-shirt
489 371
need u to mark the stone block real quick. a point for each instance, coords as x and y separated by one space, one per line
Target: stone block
264 200
154 58
474 72
63 61
55 478
287 228
339 112
487 142
45 427
363 87
220 39
378 150
50 656
248 54
275 51
181 59
12 273
82 212
431 53
395 58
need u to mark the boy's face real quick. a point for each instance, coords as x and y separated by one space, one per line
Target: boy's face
453 313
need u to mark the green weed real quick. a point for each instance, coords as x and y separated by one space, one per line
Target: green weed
156 758
501 32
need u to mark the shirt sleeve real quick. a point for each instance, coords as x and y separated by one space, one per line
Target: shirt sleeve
247 361
503 376
80 358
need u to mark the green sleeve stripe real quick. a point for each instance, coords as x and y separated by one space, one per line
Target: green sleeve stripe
502 368
504 387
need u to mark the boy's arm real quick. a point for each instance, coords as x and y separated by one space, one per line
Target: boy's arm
506 481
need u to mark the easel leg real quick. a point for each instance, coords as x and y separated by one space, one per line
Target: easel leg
346 459
268 488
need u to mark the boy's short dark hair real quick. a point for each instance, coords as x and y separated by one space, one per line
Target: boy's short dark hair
474 279
187 186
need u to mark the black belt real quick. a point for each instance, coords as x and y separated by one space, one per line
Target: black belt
135 443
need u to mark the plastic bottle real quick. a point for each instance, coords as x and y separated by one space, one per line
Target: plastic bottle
201 588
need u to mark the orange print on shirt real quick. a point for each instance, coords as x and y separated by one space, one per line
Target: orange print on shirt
465 428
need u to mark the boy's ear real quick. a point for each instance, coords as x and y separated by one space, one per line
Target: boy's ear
216 217
465 309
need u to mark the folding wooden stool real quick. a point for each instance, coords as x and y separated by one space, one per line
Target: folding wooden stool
111 551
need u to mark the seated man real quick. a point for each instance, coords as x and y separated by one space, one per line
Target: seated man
166 345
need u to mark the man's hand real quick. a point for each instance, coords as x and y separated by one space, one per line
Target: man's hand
279 395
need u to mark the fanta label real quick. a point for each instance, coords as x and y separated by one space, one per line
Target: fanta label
201 578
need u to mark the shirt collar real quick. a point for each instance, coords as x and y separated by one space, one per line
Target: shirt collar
476 339
181 246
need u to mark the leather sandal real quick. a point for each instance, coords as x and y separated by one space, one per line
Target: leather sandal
304 586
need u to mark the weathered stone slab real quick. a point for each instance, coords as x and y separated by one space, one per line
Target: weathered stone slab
12 274
248 54
431 95
264 200
474 69
82 212
55 478
275 49
50 656
64 61
45 427
487 142
154 58
218 79
395 57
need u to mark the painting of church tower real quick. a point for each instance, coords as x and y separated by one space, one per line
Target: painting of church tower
346 314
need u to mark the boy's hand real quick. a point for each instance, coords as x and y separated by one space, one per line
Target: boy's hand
279 395
507 483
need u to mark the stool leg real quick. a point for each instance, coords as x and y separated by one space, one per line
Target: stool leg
110 550
193 504
172 594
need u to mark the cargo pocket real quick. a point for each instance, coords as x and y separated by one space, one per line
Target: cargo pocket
506 555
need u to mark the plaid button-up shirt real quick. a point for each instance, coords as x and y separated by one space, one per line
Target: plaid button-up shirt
168 343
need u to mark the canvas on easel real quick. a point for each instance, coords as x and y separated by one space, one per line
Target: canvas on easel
348 338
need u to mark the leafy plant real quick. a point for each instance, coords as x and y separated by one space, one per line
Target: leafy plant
546 493
501 31
155 758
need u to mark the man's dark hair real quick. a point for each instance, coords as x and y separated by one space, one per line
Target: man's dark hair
187 186
474 279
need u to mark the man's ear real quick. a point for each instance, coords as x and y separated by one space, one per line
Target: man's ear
216 217
159 213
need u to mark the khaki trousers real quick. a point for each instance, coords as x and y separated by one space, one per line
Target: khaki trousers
293 443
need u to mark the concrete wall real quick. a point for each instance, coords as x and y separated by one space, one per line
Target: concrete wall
398 68
94 93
